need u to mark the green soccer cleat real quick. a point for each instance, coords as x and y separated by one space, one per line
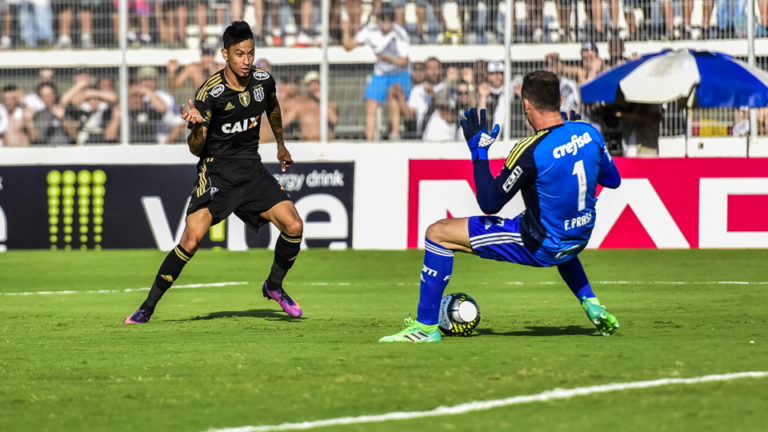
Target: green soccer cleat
415 332
606 323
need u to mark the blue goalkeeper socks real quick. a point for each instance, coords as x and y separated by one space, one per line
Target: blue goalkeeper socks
573 274
435 273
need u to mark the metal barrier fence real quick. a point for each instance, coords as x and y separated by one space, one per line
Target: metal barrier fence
79 72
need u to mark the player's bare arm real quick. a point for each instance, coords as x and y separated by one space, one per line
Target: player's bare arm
276 123
196 138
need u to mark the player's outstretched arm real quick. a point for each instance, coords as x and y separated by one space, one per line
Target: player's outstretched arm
276 123
608 175
478 141
196 138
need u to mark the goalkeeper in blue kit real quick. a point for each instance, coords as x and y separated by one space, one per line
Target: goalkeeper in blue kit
557 171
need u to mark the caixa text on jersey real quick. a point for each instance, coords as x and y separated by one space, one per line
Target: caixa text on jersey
239 126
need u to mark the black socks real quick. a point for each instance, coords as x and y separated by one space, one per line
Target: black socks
286 251
166 276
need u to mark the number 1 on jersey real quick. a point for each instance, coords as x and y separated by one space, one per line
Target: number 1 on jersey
581 176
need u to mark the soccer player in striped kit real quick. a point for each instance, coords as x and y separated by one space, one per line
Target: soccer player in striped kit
557 170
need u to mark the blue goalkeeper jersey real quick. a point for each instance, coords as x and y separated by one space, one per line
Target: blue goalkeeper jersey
557 171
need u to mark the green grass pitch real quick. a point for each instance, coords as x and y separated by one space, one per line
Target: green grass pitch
221 356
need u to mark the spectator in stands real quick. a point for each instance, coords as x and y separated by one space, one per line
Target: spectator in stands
89 105
107 84
468 77
144 116
490 93
138 11
479 28
463 98
629 16
591 64
7 11
81 81
564 9
615 52
306 110
442 125
302 15
389 42
84 10
287 95
172 22
640 126
36 22
97 116
418 73
569 90
731 18
169 130
262 8
231 10
596 12
535 20
762 26
706 12
415 108
49 125
15 118
195 73
354 10
32 100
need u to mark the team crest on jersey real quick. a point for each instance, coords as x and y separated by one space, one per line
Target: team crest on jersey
258 94
245 98
261 75
216 91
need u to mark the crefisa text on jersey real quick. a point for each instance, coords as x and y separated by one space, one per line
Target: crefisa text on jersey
573 146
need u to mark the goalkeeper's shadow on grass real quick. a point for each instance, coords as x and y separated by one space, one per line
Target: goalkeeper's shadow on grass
542 331
267 314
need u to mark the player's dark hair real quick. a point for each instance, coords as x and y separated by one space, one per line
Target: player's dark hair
235 33
10 87
542 89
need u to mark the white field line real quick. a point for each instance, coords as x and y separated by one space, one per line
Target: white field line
399 284
546 396
125 290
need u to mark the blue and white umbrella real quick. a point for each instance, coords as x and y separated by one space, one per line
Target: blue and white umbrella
706 79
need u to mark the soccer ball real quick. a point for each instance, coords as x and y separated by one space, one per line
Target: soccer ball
459 314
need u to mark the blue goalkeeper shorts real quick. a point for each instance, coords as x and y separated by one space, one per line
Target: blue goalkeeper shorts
496 238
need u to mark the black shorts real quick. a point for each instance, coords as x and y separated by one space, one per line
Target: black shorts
240 186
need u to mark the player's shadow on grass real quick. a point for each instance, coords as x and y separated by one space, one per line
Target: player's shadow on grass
267 314
543 331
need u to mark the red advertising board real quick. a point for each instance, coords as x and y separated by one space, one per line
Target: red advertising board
662 203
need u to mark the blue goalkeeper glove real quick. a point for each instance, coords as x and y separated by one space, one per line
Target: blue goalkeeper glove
476 134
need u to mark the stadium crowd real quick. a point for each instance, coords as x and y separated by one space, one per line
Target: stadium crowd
89 24
403 99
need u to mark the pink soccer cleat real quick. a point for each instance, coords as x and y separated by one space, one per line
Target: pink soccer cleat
279 295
